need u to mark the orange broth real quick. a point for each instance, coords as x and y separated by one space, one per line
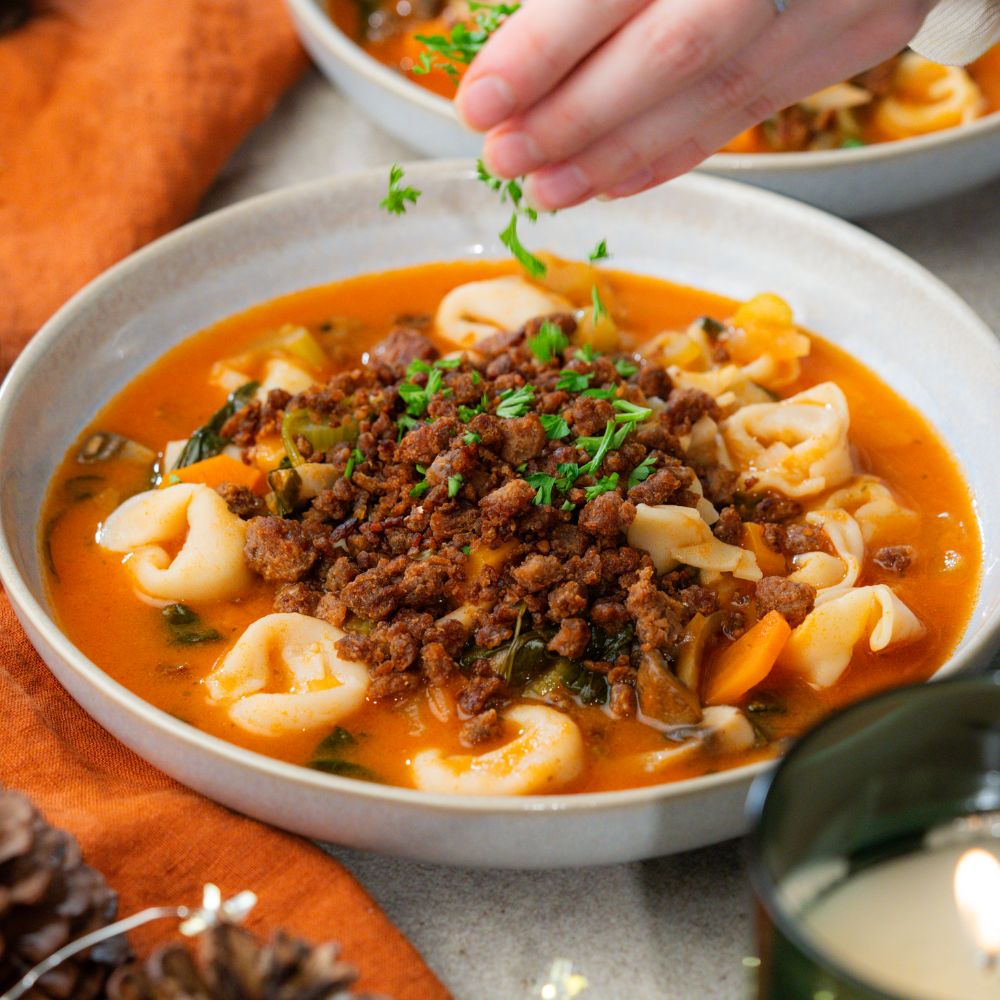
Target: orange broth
98 609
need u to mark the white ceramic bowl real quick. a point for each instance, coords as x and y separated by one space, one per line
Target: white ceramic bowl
700 231
854 183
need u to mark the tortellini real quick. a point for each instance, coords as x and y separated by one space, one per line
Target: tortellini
927 98
874 507
209 565
723 729
471 312
821 647
284 674
544 755
673 535
830 574
798 446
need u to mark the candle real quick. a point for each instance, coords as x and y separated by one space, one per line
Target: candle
875 854
900 926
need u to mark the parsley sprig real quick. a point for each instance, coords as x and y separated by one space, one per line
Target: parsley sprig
462 45
515 402
399 195
548 343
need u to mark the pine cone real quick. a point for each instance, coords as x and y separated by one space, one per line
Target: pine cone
49 897
232 965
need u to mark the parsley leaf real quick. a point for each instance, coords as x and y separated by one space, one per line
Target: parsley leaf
605 485
515 402
417 398
600 393
420 489
356 456
549 342
510 239
543 484
568 473
600 252
612 439
466 413
395 201
471 438
625 368
587 353
571 381
454 485
642 471
462 45
631 411
599 311
555 427
467 549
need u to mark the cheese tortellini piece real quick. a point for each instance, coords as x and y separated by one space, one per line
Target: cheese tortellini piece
821 647
284 674
723 729
830 574
673 535
927 97
479 309
797 446
874 507
210 564
545 754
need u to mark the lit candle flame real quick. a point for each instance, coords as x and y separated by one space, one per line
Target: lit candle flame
977 893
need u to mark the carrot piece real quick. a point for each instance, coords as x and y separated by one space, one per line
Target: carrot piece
215 471
771 563
747 661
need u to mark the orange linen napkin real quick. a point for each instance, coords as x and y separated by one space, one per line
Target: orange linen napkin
114 118
158 843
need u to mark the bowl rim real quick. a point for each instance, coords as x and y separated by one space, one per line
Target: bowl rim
348 51
34 613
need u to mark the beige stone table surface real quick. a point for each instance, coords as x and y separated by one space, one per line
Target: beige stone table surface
676 928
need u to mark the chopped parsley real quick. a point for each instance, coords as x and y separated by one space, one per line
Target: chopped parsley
548 343
599 311
630 412
612 439
475 377
567 505
420 489
466 413
467 549
600 252
642 471
462 45
608 393
587 353
395 201
605 485
571 381
555 427
454 485
417 398
512 241
356 456
515 402
568 473
471 437
544 484
625 368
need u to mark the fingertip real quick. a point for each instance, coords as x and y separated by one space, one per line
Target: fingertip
511 153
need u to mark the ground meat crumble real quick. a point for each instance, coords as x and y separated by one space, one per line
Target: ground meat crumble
472 484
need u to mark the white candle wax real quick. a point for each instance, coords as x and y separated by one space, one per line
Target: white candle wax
896 926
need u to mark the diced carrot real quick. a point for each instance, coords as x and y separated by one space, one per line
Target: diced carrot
215 471
771 563
747 661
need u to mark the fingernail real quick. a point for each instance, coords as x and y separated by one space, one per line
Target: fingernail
512 154
486 102
560 187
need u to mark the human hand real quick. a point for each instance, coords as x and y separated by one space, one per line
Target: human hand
611 97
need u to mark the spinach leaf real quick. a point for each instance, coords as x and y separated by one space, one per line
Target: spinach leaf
208 441
185 628
329 756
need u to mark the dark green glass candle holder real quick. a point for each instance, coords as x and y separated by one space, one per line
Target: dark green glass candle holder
877 781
